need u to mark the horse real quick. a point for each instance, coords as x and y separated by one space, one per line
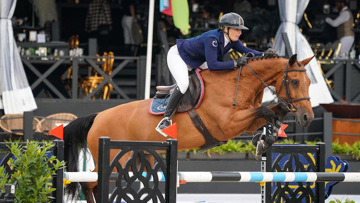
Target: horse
231 105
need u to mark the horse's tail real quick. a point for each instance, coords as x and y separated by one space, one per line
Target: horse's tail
75 139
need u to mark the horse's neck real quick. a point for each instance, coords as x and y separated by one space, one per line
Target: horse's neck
224 83
268 70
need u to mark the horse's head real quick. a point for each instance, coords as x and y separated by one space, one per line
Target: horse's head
294 88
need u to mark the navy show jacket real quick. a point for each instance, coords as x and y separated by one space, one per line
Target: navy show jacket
209 47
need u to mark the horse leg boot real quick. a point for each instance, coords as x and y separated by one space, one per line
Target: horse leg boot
265 140
170 111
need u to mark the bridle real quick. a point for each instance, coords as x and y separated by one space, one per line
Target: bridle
285 82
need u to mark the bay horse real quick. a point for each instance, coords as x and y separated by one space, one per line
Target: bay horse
223 119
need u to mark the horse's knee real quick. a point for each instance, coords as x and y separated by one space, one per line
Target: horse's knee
266 113
282 109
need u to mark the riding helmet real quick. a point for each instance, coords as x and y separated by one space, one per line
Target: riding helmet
232 20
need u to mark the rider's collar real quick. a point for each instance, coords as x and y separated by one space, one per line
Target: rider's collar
226 41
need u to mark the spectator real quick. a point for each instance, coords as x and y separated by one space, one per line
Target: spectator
99 23
127 22
344 27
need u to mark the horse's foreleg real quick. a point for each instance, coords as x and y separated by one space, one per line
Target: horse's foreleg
273 116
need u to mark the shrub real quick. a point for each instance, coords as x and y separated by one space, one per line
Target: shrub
34 169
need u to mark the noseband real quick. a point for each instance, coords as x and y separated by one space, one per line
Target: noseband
285 82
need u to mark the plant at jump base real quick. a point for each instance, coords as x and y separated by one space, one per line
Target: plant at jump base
34 168
353 150
339 201
3 179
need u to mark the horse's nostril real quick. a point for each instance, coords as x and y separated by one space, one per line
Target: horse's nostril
305 117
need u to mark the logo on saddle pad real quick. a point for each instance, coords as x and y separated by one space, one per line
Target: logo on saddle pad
191 99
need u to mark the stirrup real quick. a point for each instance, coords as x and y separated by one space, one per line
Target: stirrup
159 130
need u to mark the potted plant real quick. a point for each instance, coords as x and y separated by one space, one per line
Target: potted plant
34 169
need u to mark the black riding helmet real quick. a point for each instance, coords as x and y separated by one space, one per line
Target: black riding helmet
232 20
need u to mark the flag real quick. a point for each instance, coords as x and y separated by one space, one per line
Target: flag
58 132
180 11
165 7
171 131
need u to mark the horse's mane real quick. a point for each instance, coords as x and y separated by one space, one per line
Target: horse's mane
262 57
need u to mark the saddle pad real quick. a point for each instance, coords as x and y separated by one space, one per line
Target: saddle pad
158 105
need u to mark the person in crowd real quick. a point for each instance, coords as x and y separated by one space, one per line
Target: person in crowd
207 16
99 22
243 8
127 21
204 51
344 27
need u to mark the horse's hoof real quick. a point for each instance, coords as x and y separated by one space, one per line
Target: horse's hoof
261 147
255 139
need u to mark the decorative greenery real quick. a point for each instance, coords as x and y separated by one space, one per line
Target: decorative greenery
242 147
353 150
33 171
3 179
339 201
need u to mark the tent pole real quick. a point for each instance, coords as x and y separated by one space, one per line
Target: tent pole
149 49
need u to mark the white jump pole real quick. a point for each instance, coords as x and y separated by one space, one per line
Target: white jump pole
232 176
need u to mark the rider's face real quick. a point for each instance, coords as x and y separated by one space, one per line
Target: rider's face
234 33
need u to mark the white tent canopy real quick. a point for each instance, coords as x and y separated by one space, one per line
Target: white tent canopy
15 92
291 13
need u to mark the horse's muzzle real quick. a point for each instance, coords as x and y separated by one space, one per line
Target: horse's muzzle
304 118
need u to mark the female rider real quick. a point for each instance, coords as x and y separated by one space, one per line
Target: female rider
204 51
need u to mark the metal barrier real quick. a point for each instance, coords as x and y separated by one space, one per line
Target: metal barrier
32 63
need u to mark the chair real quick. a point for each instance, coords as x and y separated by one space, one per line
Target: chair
54 120
14 123
88 84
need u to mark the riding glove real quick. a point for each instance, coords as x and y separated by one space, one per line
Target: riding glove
270 53
240 61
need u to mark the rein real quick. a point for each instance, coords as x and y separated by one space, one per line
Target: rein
284 82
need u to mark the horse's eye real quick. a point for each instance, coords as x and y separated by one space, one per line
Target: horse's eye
295 83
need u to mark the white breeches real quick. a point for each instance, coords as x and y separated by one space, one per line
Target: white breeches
179 70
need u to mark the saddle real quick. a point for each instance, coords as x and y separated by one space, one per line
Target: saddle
191 99
189 102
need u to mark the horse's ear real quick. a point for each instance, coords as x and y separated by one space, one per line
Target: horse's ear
293 59
306 61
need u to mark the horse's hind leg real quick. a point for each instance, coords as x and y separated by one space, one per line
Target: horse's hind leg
87 189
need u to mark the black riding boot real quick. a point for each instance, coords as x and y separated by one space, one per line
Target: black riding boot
170 110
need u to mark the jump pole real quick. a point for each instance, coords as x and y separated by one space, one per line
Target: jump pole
231 176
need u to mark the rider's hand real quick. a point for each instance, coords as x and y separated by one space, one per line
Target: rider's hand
270 53
240 62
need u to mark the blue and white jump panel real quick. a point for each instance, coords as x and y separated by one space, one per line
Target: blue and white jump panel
268 177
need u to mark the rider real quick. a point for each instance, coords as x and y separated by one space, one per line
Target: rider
204 51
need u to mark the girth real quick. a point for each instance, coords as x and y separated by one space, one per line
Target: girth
188 104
